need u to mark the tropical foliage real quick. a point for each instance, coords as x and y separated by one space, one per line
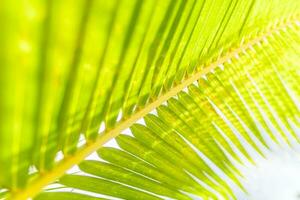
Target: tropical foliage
195 81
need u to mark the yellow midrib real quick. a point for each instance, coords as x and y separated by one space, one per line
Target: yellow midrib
44 179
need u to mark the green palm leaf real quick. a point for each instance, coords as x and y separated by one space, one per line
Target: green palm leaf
222 77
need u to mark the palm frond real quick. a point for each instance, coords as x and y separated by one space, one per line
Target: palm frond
91 69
